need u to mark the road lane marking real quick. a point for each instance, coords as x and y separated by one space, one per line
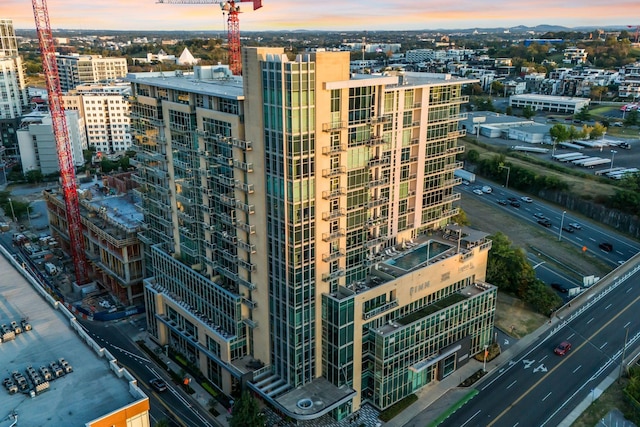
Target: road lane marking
469 420
590 320
571 336
544 358
602 346
607 307
568 357
576 370
511 385
626 325
628 290
548 394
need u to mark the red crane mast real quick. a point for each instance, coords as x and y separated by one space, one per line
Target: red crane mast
61 134
233 26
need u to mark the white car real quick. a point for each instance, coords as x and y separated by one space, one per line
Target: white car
526 199
478 191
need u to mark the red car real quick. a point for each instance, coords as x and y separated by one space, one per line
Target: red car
562 348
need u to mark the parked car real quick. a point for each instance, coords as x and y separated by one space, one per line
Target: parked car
575 226
526 199
158 385
502 202
562 348
625 145
558 287
544 222
605 246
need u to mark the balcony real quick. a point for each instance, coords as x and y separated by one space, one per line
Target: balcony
247 247
250 209
377 183
337 213
330 173
327 277
328 237
247 188
379 161
378 310
378 201
333 194
380 119
225 218
247 167
328 127
246 265
374 241
244 145
332 256
375 140
250 323
456 150
228 200
247 284
248 228
249 303
335 149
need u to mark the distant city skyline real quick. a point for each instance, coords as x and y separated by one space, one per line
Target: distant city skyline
346 15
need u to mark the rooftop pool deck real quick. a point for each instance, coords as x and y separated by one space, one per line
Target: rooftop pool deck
418 255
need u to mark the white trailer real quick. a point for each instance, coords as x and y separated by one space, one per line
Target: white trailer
621 174
570 145
465 175
581 162
529 149
594 163
558 157
609 170
574 157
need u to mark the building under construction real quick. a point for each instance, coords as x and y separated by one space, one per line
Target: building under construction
110 226
297 234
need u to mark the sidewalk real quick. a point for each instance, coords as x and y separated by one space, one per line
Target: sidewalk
436 399
201 397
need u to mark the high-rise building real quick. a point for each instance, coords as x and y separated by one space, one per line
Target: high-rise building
298 230
105 110
13 93
82 69
38 149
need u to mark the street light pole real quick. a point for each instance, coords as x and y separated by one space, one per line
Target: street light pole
508 168
484 365
561 225
29 216
613 153
13 214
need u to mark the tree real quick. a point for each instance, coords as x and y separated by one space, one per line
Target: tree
583 114
497 87
509 110
559 133
461 218
34 176
246 412
528 112
631 118
597 131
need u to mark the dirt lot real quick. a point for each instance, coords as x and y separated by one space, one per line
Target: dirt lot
512 315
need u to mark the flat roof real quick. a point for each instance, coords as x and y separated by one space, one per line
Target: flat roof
550 98
227 88
494 118
91 391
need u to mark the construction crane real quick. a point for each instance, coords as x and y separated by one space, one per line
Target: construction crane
233 25
61 134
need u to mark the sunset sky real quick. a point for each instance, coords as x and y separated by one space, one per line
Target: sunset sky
328 14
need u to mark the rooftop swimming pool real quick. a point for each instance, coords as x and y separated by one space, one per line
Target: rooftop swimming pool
419 255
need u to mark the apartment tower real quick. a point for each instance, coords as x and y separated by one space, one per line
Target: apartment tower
299 230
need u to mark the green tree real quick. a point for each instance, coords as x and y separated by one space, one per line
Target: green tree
246 412
528 112
583 114
34 176
559 133
631 118
497 88
473 156
509 110
461 218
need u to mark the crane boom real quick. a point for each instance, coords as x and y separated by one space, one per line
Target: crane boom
61 134
233 25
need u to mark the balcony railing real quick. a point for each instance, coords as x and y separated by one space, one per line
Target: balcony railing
332 194
328 127
327 277
336 213
327 237
334 149
332 256
328 173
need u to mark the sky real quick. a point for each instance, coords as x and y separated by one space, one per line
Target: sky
331 15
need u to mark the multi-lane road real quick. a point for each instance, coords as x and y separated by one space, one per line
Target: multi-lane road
540 388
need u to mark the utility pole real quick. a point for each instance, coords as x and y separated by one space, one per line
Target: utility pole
624 351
